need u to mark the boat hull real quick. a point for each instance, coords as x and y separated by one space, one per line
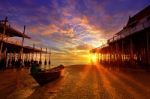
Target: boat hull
45 77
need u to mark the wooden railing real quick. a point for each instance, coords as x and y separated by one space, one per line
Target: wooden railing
128 31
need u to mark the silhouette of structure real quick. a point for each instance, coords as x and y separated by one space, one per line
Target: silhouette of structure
130 47
12 50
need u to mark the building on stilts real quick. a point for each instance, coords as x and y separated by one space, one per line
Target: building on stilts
130 47
13 52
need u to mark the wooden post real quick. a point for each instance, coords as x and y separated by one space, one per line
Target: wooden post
33 52
110 53
116 53
122 51
40 62
49 58
45 63
46 54
5 57
131 50
21 51
4 31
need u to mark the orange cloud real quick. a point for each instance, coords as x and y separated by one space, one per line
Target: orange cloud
84 47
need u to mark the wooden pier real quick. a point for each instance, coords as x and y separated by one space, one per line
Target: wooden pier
13 51
130 47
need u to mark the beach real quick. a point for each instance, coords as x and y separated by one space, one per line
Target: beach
77 82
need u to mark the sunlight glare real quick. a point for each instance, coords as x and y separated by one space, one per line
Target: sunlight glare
93 58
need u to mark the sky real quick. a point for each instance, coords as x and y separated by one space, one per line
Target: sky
69 28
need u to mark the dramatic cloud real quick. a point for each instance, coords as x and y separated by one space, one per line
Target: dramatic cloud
84 47
69 27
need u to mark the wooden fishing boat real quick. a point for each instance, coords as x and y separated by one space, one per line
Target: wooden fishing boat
44 77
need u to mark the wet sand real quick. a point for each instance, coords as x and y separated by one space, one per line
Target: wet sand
78 82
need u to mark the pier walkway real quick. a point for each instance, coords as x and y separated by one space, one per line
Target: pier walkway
78 82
